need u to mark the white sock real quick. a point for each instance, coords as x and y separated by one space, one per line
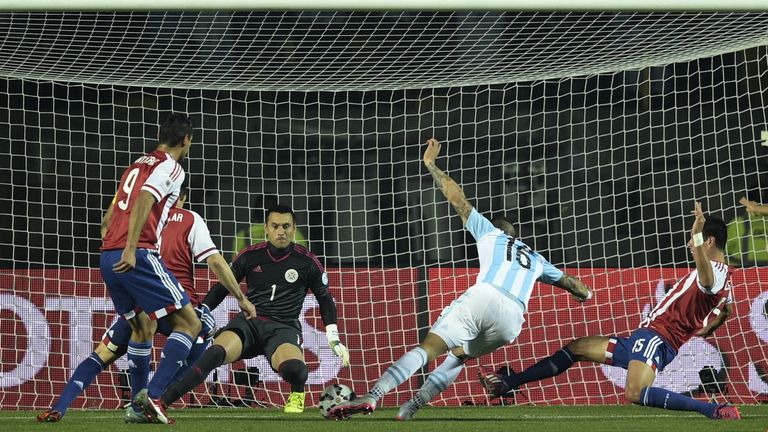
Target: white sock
439 380
399 372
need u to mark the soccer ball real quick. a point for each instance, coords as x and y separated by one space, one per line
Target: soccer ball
333 395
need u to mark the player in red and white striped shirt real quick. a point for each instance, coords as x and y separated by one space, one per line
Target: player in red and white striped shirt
136 276
696 306
186 239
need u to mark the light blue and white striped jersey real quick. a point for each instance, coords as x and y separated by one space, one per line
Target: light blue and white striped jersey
506 262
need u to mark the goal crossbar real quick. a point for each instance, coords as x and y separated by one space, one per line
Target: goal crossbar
380 5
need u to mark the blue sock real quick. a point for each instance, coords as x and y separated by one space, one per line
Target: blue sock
84 374
194 355
138 366
175 354
553 365
660 398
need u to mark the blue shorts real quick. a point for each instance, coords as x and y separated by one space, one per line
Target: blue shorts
149 287
118 335
643 345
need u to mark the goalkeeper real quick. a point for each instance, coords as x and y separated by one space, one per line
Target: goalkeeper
279 273
486 317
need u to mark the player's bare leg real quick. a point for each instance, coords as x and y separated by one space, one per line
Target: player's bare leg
591 348
639 376
288 361
432 346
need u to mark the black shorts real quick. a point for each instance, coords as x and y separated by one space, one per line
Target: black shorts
262 336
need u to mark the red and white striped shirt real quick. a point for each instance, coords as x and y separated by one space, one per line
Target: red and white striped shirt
157 173
688 307
186 238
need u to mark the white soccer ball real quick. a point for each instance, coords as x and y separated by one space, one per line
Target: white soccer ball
333 395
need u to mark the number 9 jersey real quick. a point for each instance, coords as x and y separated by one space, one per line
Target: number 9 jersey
157 173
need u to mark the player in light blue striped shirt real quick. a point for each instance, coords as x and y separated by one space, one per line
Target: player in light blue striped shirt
487 316
506 263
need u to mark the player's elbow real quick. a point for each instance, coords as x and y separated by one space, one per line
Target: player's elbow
216 262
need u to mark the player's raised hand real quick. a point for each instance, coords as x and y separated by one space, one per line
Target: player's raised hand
698 222
127 262
750 205
332 334
248 308
432 151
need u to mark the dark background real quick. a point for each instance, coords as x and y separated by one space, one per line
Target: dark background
595 171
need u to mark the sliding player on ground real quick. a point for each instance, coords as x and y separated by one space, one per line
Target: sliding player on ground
697 305
185 238
279 274
487 316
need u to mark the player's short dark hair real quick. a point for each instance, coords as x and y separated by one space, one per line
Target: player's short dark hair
281 209
715 227
503 223
174 129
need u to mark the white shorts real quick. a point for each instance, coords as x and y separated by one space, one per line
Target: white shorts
480 321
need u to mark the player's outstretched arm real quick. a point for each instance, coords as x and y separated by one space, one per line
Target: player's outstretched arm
219 266
704 268
575 286
448 187
754 207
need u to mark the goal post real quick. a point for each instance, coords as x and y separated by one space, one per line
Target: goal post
593 131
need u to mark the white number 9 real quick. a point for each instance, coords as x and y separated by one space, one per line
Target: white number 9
130 182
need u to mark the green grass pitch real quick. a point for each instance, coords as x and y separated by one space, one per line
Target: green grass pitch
624 418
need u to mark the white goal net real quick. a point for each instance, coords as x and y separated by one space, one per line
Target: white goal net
594 132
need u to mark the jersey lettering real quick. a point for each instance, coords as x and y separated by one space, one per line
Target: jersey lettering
149 160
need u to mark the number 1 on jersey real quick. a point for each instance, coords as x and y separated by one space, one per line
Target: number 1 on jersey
274 287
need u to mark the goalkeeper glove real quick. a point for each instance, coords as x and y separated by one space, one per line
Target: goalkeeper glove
332 333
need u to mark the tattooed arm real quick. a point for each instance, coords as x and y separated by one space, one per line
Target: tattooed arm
448 187
576 287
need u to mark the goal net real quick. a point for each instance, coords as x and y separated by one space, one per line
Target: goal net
594 132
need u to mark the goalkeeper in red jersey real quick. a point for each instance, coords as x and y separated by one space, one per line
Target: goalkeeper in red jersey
696 305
